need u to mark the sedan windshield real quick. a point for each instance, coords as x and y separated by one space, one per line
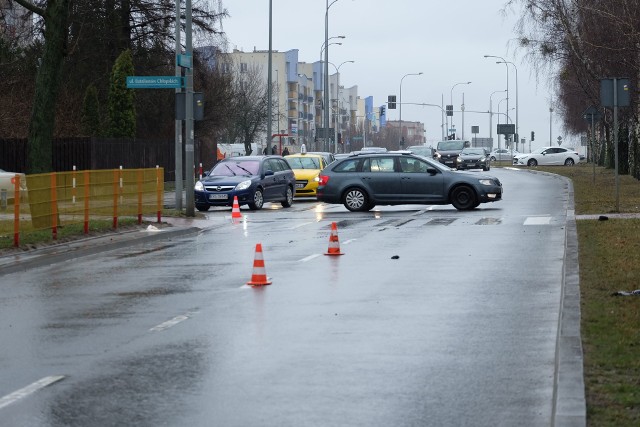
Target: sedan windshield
232 168
304 162
472 152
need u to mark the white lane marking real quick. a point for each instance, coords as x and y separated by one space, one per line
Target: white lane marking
349 241
170 323
309 258
537 220
300 225
30 389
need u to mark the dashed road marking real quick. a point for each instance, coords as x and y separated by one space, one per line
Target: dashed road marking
30 389
300 225
309 258
349 241
170 323
537 220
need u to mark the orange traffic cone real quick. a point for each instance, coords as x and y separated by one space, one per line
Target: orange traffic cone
259 276
334 244
235 212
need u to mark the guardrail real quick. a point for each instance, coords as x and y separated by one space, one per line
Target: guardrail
58 199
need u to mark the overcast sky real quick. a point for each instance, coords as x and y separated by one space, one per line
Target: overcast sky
446 40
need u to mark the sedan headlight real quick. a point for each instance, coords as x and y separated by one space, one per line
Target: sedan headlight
487 182
243 185
459 160
199 186
438 155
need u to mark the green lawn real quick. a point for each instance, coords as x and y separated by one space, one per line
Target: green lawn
609 262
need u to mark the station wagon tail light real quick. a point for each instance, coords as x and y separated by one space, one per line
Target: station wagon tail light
322 179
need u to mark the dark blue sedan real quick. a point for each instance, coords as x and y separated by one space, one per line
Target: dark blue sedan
253 179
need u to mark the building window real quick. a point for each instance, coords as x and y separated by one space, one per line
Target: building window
243 67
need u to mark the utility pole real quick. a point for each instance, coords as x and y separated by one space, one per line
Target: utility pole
189 161
178 125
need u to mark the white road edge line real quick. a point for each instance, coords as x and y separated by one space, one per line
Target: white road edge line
309 258
169 323
349 241
30 389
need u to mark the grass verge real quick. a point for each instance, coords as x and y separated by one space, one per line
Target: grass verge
609 262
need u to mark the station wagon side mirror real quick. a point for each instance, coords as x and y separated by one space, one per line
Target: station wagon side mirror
432 171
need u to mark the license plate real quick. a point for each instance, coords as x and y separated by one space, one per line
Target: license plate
449 162
218 196
299 185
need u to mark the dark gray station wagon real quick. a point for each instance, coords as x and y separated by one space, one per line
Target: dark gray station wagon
363 181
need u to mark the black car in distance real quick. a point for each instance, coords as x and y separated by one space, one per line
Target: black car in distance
362 181
473 158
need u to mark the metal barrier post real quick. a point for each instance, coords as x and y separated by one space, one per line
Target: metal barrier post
86 202
159 193
54 206
16 211
139 182
115 198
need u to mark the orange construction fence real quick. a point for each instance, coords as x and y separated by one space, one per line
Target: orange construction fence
53 200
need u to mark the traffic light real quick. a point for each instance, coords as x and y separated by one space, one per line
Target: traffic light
382 111
391 100
533 136
450 110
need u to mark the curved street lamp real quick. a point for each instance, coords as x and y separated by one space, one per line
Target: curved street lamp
401 134
516 68
451 96
337 120
326 68
491 114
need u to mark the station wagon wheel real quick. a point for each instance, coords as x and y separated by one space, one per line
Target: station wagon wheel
258 200
463 198
355 199
202 208
569 162
532 162
288 201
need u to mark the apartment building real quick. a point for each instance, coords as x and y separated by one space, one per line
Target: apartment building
299 89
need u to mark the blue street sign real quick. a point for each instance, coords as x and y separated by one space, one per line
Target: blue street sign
184 61
157 82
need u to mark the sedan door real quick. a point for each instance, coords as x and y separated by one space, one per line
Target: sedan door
419 182
273 184
380 178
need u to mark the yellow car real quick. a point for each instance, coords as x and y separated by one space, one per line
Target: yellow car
306 167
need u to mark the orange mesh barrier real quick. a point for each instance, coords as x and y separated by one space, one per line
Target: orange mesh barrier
49 202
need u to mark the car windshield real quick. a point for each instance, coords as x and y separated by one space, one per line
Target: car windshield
236 167
473 151
304 162
450 145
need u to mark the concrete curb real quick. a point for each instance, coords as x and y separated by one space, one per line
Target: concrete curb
569 404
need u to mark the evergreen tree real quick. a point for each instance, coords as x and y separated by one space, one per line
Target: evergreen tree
91 112
122 111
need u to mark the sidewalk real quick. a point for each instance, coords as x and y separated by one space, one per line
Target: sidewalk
170 228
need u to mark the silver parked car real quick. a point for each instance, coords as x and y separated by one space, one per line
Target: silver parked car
363 181
503 154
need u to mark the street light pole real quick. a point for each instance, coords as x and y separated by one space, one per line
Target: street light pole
491 116
337 115
326 69
401 134
507 67
451 98
517 136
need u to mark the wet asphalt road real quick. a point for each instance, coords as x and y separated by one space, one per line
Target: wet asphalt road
460 329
